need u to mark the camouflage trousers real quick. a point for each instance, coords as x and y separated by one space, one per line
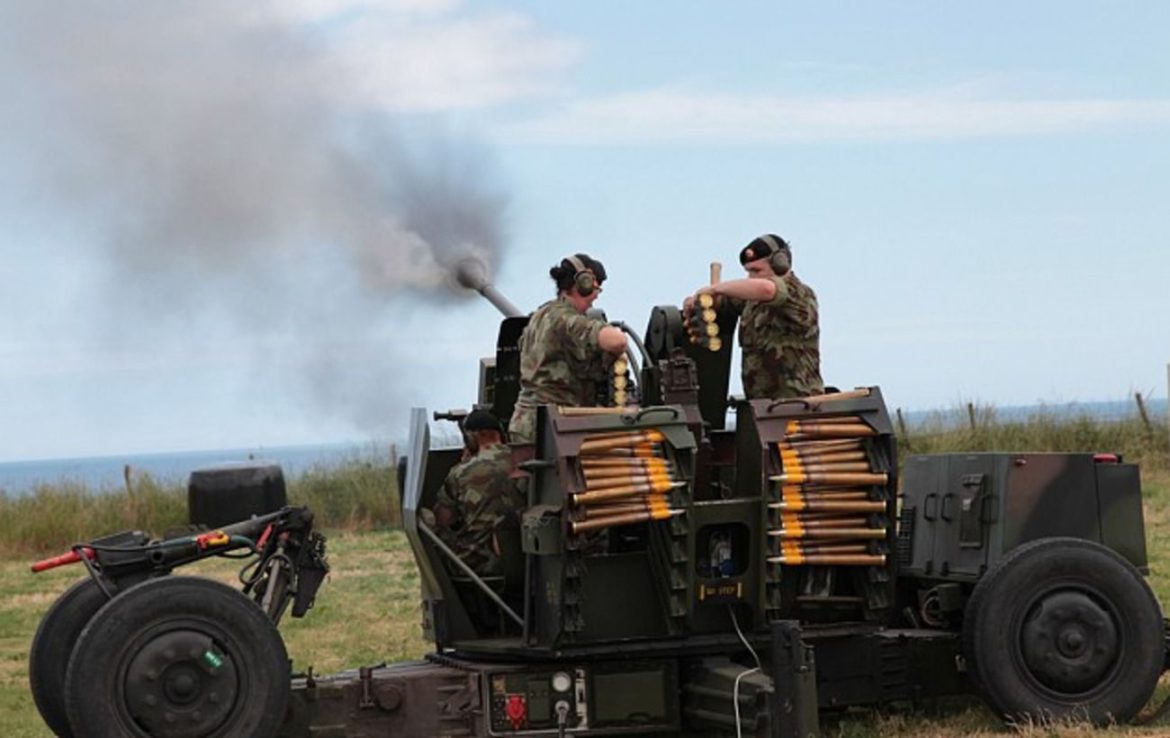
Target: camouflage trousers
522 428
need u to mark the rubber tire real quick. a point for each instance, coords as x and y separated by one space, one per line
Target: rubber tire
1004 607
49 655
95 694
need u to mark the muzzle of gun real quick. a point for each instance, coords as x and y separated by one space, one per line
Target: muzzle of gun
472 274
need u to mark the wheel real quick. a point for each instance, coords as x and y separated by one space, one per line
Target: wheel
1064 628
178 657
51 646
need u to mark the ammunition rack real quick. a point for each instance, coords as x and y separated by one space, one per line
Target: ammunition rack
622 484
830 508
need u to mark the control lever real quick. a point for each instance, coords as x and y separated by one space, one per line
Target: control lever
562 708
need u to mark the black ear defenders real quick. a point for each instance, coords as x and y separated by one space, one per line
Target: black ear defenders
584 279
779 259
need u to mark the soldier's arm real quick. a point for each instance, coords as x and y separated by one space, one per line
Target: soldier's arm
585 335
751 289
611 340
445 509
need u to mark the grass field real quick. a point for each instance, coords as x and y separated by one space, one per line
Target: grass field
368 610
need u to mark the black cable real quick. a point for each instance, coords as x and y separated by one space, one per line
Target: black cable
94 573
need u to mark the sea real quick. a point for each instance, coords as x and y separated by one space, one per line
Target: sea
100 473
104 473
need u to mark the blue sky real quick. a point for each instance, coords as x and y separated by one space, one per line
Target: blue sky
976 191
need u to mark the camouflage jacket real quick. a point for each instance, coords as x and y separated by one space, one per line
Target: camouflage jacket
480 496
560 364
781 342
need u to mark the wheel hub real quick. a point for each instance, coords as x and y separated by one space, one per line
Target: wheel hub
1069 642
180 685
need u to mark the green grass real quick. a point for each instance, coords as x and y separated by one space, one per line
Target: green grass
368 610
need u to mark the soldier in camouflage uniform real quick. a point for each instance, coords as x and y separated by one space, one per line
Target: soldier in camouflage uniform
778 330
479 496
563 352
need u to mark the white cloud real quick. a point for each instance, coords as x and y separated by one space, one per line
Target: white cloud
326 10
421 55
672 115
448 63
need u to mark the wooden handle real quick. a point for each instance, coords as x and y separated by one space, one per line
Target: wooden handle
593 410
847 395
716 272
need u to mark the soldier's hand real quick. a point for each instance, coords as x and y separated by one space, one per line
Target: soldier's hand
689 305
444 516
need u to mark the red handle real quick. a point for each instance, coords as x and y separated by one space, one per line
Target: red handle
66 558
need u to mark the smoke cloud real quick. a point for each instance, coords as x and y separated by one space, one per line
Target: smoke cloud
220 166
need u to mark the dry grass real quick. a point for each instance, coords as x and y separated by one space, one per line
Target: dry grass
357 496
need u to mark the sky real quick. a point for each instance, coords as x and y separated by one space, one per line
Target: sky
230 224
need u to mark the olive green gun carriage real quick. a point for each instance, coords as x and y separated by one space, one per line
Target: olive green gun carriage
675 573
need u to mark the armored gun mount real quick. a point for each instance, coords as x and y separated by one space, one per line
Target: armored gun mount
674 575
779 567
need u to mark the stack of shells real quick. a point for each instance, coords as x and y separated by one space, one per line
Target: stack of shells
628 479
703 328
830 511
619 382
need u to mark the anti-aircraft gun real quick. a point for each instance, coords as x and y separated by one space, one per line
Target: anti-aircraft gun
677 574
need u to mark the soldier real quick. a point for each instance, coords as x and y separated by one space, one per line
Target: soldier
562 350
778 328
479 496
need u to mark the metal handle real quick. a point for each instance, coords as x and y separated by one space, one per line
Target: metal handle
792 401
945 512
930 507
638 416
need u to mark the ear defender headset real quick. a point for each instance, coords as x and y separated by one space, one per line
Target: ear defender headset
583 279
778 253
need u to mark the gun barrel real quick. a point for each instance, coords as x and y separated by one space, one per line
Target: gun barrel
503 304
472 274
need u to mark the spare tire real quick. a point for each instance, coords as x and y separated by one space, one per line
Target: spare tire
178 657
51 646
1064 629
